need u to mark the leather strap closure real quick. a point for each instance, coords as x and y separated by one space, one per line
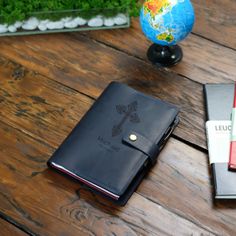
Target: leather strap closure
142 144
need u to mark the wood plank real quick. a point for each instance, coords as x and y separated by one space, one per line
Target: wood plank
181 181
89 76
174 197
50 204
167 184
216 20
9 229
202 62
35 104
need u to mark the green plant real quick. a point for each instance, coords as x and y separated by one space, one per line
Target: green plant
18 10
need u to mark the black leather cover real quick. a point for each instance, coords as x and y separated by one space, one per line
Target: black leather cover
219 103
99 150
224 181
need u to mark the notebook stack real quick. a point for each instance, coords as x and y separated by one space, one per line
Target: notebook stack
219 102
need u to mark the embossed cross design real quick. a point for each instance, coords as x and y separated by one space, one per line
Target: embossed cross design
129 113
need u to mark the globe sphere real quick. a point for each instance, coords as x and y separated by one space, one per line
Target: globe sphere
167 22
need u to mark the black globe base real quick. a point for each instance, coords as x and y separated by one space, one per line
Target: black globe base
165 56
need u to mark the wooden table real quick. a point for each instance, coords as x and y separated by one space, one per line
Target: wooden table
48 82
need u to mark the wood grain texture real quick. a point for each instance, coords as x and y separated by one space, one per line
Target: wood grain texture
202 61
184 185
8 229
50 204
48 82
91 76
30 104
35 104
216 20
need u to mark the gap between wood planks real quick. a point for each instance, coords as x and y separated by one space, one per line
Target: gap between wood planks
140 64
19 226
94 99
27 133
24 229
170 70
180 215
54 147
9 219
200 70
213 41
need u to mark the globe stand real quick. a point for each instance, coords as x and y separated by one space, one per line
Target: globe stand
164 56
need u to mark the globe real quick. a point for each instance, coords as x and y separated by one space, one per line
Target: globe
166 23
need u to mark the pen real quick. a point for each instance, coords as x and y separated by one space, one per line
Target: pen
232 155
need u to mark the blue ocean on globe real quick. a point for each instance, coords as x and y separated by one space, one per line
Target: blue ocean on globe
167 22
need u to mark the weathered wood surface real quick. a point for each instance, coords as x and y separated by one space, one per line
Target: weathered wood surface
38 114
76 68
47 203
34 104
9 229
216 20
48 82
90 76
202 61
41 199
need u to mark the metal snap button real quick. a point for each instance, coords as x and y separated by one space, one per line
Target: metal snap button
133 137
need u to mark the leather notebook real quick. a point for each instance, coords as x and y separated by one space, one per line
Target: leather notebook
116 142
219 103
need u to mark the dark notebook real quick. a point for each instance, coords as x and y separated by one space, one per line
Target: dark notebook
219 102
116 142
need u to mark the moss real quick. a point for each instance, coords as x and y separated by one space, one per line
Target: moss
14 10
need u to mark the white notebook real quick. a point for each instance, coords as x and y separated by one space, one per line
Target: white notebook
218 140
